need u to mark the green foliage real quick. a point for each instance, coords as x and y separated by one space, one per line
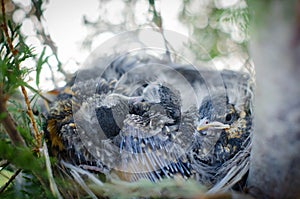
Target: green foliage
11 75
21 157
33 180
40 62
29 185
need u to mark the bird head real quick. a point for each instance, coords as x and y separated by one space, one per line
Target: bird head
222 128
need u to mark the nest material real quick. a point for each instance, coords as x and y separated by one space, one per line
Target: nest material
152 101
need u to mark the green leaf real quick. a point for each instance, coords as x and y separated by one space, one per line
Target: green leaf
40 62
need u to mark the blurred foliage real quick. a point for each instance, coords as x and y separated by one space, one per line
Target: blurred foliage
21 157
31 181
217 29
212 24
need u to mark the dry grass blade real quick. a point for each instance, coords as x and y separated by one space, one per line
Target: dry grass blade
53 185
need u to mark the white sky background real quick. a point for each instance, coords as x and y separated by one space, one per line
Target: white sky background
64 20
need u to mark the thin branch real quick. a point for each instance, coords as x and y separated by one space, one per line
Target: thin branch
37 135
10 127
9 123
10 180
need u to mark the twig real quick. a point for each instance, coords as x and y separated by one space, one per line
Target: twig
10 180
4 27
37 135
29 112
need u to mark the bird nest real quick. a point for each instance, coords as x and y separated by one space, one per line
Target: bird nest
140 124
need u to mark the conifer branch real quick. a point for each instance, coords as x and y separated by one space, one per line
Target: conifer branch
29 112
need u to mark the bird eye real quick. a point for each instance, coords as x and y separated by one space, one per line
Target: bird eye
228 117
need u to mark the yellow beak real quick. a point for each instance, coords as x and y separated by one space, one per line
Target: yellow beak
213 125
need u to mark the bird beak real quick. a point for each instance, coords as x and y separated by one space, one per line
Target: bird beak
213 125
